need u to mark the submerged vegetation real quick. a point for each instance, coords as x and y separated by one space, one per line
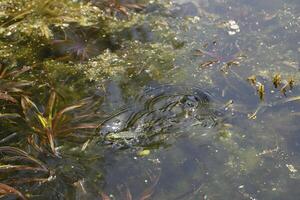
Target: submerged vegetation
52 123
77 74
48 50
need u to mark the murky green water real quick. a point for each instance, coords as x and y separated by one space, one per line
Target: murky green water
246 158
205 120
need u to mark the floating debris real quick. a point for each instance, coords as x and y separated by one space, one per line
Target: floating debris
277 80
260 90
252 79
208 63
291 168
268 151
254 114
233 27
144 152
290 83
215 56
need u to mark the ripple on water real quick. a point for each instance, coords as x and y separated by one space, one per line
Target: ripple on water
157 113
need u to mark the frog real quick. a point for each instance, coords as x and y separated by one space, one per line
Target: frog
157 113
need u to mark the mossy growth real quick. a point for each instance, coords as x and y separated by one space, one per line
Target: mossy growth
33 32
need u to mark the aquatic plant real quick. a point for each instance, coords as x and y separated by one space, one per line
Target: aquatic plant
79 43
216 57
27 26
34 17
74 30
117 6
19 167
46 126
9 85
146 194
132 60
15 159
6 190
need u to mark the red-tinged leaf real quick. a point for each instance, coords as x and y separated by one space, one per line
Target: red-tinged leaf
68 109
6 190
50 136
2 71
29 180
76 127
16 73
134 6
19 152
122 9
32 141
146 194
7 97
63 111
53 42
105 196
128 194
149 191
208 63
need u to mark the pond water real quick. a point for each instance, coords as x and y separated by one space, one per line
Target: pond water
218 120
250 155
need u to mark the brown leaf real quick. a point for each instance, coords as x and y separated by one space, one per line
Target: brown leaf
105 196
63 111
50 136
27 104
208 63
147 194
6 189
134 6
149 191
128 194
19 152
7 97
16 73
76 127
2 71
122 9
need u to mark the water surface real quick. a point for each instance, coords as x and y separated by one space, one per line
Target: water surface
216 125
250 156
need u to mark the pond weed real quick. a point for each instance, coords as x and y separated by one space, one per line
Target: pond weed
52 123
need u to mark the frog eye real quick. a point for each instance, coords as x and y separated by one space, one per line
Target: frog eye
200 96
